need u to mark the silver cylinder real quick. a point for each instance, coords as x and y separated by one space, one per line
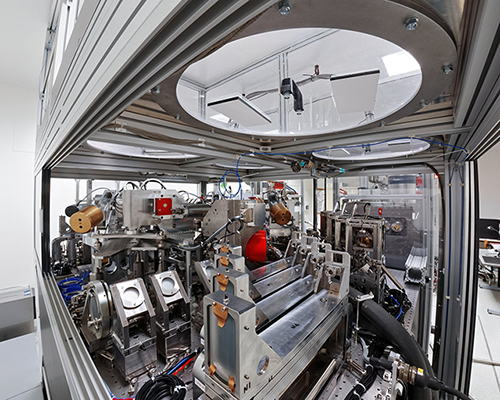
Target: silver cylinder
199 368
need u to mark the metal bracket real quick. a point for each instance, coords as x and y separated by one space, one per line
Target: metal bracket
220 312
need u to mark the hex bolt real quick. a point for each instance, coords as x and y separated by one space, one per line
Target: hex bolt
411 23
284 7
447 69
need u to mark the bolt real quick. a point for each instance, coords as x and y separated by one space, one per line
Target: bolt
424 103
246 376
223 308
177 116
447 69
284 7
155 90
411 23
246 328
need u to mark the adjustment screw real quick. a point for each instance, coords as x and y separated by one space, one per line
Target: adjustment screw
411 23
284 7
447 69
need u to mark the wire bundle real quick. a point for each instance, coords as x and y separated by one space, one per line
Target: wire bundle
226 194
183 364
72 286
164 386
369 377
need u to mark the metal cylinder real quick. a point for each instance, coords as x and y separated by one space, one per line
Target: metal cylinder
83 221
280 213
197 210
199 368
71 250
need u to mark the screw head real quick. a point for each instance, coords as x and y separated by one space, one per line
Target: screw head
284 7
447 69
424 103
156 90
411 23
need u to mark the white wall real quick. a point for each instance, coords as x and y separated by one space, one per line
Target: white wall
489 184
18 111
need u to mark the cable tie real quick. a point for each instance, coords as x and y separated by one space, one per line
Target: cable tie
363 386
179 388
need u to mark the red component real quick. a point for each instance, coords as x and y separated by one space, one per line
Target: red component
278 185
163 206
380 211
419 181
256 249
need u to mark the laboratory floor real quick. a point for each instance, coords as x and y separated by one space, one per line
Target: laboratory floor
485 382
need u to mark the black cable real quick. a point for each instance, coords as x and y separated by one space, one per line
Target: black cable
427 381
162 386
367 381
384 325
422 379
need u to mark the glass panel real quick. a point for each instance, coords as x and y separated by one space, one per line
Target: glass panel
317 59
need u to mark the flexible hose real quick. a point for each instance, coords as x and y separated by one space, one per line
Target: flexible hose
393 332
426 380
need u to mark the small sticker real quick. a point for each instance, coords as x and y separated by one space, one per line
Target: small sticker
198 383
27 292
420 371
202 341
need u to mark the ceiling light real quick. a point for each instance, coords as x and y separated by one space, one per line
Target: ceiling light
240 110
380 151
137 151
221 118
400 63
241 165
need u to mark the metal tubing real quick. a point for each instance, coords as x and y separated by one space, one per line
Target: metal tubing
302 207
315 205
188 273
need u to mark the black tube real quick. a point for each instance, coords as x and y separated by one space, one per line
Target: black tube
425 380
394 333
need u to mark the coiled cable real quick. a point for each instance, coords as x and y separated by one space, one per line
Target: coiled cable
162 387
